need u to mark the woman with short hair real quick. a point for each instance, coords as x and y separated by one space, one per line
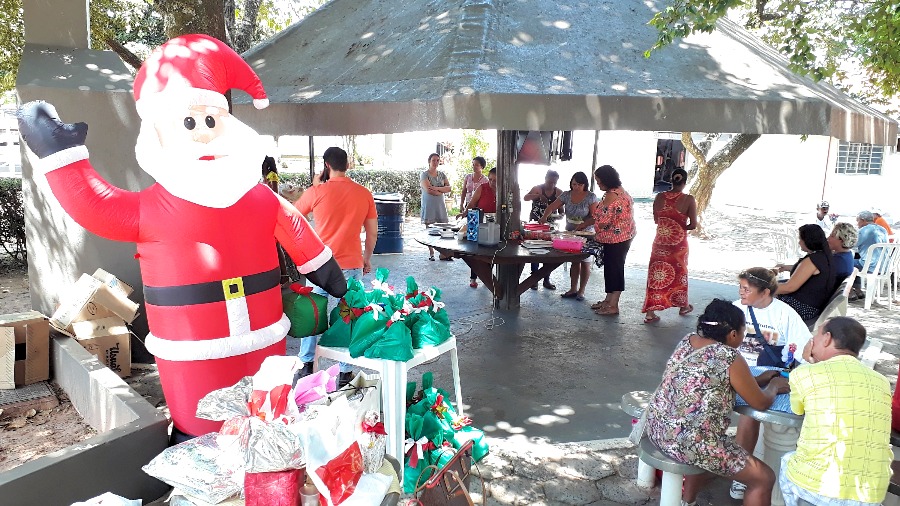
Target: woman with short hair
614 228
842 241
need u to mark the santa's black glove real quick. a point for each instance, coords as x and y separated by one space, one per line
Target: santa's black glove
330 278
45 133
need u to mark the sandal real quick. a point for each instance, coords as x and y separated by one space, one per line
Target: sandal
569 295
431 258
654 319
600 304
473 283
548 285
606 311
686 310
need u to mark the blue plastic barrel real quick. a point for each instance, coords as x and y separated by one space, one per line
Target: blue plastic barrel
391 210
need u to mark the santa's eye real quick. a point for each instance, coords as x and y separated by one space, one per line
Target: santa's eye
189 123
210 122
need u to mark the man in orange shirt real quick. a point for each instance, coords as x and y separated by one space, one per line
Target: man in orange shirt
340 209
879 220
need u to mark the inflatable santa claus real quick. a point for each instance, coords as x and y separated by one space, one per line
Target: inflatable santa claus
205 232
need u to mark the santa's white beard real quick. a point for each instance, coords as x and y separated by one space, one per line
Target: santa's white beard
217 183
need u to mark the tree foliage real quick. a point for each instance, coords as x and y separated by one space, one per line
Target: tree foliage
826 39
132 28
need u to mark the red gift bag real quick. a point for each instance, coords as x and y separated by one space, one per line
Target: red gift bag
279 488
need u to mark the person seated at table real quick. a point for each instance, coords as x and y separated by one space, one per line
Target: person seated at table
578 201
688 415
844 455
778 325
841 241
812 278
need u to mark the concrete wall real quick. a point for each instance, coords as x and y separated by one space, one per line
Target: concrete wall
94 87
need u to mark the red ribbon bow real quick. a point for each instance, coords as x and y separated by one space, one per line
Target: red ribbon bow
438 407
414 455
411 295
374 428
300 289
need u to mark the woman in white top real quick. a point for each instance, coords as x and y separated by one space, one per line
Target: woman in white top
779 325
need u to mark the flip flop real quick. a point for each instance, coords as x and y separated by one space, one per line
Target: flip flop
606 312
655 319
598 305
431 258
579 298
569 295
686 310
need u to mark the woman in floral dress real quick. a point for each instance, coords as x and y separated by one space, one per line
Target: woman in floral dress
688 415
667 278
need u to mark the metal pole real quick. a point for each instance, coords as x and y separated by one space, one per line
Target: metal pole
594 162
312 159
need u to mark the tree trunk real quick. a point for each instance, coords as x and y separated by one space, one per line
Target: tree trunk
193 16
242 37
124 53
709 169
229 21
703 146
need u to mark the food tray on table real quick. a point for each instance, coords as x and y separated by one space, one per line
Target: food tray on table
569 243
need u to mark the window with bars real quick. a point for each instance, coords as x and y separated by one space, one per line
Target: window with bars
859 158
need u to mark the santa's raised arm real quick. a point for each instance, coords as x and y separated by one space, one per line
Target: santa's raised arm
205 232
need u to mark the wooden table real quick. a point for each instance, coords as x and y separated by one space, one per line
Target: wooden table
510 257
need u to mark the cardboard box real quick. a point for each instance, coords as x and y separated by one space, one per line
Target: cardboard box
92 299
109 340
25 344
113 282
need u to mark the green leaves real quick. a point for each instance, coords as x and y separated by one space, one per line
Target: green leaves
832 40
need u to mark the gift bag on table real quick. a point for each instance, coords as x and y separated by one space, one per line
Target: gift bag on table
341 319
394 343
369 325
307 311
424 329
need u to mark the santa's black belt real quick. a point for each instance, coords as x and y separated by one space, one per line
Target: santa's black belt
213 291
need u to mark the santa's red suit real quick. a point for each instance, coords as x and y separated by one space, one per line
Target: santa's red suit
210 272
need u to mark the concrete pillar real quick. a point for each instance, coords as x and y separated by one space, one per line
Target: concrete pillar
94 87
61 23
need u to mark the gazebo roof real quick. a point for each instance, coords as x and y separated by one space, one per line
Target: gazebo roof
382 66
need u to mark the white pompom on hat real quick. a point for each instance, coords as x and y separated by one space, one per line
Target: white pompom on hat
193 70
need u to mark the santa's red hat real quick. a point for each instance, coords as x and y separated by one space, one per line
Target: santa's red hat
193 70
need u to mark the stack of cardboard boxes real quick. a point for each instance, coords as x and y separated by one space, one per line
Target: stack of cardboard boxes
96 312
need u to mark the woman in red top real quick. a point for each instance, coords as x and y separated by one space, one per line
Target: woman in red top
484 198
614 227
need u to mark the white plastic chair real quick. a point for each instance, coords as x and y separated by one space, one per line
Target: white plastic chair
875 282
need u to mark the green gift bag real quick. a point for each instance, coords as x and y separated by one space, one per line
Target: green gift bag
339 334
427 332
367 329
307 311
438 311
439 413
394 344
413 466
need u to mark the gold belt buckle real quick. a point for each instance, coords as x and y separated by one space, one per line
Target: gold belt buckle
233 288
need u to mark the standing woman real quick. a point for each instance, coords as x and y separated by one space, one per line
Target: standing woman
472 182
434 185
667 277
614 227
578 201
542 196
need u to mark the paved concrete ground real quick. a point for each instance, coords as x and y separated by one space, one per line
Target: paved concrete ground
545 381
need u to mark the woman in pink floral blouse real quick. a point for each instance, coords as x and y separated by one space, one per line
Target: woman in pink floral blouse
614 228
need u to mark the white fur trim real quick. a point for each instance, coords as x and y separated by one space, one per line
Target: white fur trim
59 159
211 349
260 103
238 316
164 102
316 262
